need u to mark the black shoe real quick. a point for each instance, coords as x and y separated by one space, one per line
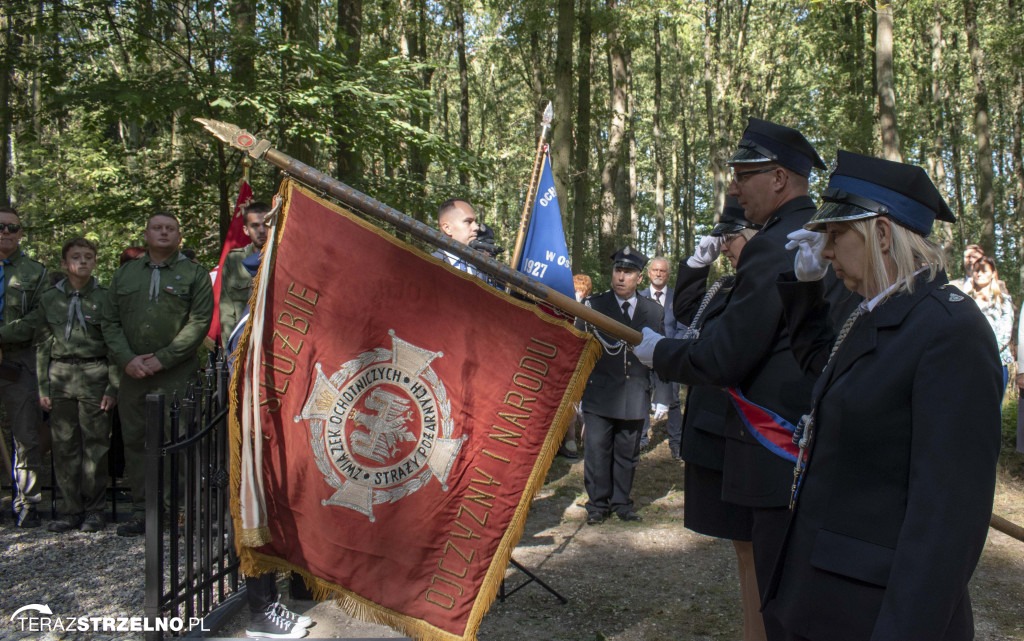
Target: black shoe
630 517
271 625
567 455
596 518
28 518
135 527
69 522
94 522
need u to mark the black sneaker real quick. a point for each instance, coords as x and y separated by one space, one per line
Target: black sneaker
69 522
301 620
135 527
271 625
28 518
94 522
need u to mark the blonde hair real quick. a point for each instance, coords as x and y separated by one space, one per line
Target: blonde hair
747 233
908 252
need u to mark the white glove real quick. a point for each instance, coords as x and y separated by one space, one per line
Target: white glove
660 411
707 251
645 350
808 263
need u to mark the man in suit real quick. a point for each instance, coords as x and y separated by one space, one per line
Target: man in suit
748 350
618 396
661 293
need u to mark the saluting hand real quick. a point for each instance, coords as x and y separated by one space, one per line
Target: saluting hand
706 252
808 264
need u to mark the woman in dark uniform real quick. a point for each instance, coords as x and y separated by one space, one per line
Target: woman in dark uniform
897 468
708 409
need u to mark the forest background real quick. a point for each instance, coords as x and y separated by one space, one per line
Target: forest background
417 101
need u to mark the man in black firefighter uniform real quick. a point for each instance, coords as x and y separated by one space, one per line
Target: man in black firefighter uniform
618 396
748 349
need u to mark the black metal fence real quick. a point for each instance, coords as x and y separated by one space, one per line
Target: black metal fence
191 566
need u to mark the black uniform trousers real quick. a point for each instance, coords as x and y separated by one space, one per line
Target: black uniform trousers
610 457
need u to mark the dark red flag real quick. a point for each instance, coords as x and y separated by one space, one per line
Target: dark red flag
235 238
408 412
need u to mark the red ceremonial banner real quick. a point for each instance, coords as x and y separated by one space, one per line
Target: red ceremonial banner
409 413
235 238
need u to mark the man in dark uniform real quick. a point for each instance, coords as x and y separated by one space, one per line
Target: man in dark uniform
661 293
234 288
748 349
617 398
22 281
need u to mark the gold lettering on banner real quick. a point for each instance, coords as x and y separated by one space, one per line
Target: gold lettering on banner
286 343
507 430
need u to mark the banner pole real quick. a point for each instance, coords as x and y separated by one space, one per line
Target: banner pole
524 223
358 201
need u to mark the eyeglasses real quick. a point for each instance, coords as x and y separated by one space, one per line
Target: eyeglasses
741 176
728 238
12 228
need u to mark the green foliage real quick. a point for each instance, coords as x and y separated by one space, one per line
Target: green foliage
103 95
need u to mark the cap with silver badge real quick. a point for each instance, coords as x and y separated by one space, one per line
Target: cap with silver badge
863 187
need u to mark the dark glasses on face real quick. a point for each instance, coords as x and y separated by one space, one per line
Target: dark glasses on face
741 176
12 228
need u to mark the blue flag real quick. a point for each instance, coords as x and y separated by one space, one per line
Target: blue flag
545 255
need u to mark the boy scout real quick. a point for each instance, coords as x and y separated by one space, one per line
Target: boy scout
22 280
160 307
77 384
234 288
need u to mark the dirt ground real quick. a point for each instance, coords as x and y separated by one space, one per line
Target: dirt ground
656 580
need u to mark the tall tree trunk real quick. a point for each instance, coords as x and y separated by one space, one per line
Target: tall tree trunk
348 38
11 37
460 37
537 80
561 132
300 26
611 216
934 162
715 118
581 177
633 223
885 82
1016 8
659 161
984 191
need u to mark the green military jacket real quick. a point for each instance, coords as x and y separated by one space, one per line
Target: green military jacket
168 321
24 283
59 339
234 290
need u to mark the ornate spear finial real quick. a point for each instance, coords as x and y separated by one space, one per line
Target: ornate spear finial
236 137
549 113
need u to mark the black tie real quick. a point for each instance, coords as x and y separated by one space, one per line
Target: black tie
625 310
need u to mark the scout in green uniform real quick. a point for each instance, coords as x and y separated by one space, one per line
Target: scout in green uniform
160 307
234 288
77 384
21 282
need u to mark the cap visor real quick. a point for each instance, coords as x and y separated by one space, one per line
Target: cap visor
830 212
726 228
747 155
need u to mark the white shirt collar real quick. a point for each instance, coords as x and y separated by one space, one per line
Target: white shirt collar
869 305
